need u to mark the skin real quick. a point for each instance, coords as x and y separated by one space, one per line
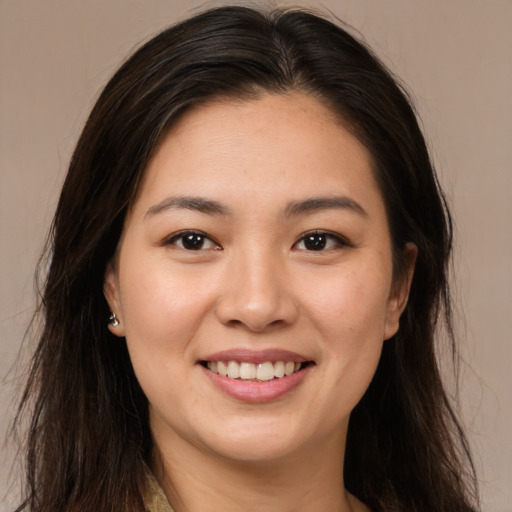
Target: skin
256 285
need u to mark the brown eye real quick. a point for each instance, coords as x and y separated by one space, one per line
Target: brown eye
319 241
193 241
315 242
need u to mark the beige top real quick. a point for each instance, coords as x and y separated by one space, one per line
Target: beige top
156 500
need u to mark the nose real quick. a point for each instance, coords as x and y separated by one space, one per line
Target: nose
257 293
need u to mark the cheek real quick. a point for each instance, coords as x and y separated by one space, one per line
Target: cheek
350 301
162 310
162 307
350 312
351 317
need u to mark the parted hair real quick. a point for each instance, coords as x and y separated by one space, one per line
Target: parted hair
88 440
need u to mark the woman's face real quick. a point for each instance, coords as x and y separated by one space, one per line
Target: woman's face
258 245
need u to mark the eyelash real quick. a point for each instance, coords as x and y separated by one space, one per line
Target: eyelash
173 240
336 241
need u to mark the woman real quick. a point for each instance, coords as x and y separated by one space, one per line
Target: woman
252 209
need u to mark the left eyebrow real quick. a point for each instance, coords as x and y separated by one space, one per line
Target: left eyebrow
314 204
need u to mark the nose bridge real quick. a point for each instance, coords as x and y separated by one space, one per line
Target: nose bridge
256 292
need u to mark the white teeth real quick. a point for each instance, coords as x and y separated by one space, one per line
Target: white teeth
233 370
279 369
249 371
289 368
265 371
222 368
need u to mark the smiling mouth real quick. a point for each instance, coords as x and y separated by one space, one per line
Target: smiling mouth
266 371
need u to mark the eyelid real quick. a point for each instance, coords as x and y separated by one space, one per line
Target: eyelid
341 241
173 237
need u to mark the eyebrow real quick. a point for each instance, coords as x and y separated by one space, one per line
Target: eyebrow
294 208
315 204
198 204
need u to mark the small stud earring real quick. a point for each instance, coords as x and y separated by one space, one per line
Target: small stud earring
113 321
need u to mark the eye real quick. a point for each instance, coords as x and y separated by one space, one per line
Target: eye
192 241
319 241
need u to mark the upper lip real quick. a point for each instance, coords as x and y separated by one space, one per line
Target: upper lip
255 356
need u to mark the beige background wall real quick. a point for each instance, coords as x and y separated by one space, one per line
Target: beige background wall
454 54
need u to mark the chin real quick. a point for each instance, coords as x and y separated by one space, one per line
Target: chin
258 443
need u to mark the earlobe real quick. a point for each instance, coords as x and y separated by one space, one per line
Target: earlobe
111 292
400 293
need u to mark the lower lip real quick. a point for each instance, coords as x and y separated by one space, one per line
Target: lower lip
257 391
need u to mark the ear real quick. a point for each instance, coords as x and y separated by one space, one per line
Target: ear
400 291
112 294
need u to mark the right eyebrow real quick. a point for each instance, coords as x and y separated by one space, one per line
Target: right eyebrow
196 203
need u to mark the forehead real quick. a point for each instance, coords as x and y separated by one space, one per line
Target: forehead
277 144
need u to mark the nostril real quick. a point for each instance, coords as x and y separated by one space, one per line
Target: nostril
255 324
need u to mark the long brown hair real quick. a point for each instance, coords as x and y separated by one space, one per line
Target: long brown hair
88 439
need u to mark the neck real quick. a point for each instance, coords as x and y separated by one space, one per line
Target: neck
194 479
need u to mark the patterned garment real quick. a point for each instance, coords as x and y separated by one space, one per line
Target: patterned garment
156 500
